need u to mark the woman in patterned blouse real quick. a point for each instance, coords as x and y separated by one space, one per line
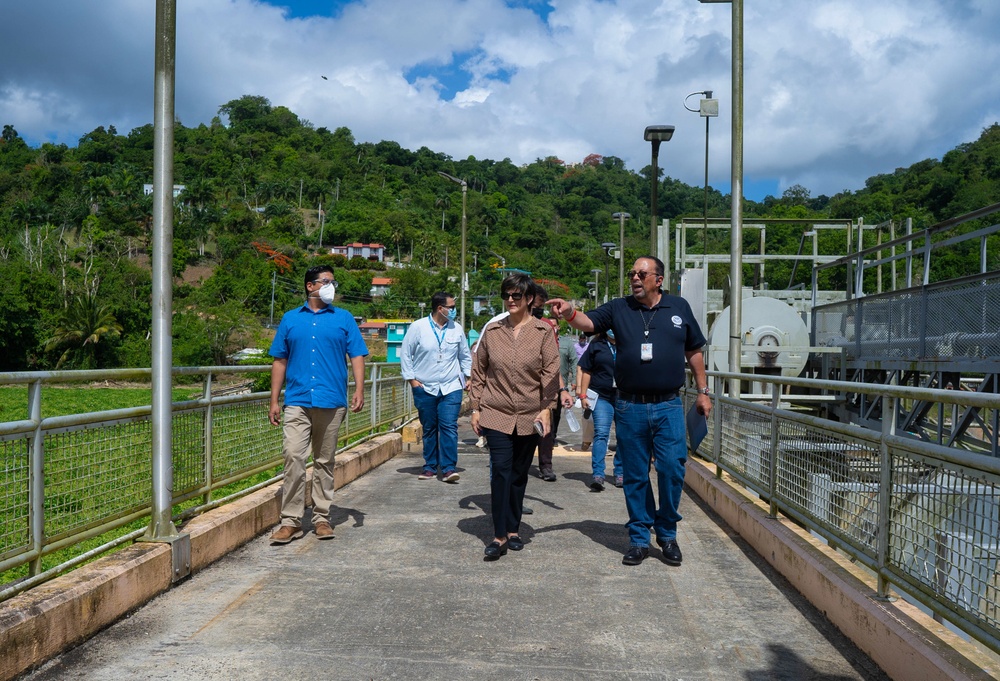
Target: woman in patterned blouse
514 385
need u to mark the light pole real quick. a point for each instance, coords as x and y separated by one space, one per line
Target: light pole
736 219
708 108
621 217
655 134
462 284
592 286
597 283
607 246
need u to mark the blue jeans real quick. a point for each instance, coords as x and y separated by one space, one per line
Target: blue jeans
439 420
604 415
651 431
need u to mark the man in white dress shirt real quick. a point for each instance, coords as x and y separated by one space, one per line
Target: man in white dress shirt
435 359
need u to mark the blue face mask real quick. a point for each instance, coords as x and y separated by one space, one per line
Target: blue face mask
452 313
611 335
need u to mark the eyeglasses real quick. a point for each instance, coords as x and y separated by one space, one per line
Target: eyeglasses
450 307
324 282
642 275
511 295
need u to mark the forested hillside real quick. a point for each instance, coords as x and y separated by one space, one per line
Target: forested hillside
75 227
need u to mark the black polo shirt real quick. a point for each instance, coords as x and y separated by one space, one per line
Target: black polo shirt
598 360
672 331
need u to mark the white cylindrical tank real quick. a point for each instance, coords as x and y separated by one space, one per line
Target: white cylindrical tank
770 325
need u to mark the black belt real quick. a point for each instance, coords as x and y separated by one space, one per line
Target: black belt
646 398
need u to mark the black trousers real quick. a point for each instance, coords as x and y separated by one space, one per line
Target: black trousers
548 443
510 459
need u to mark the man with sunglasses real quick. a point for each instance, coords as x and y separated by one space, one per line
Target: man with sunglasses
656 334
309 351
435 359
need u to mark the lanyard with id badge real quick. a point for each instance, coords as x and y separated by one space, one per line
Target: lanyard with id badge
646 349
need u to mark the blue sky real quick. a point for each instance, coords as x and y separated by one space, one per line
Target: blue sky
835 90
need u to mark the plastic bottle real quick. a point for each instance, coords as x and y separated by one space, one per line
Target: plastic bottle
571 420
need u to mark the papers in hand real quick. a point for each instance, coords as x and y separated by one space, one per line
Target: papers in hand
697 427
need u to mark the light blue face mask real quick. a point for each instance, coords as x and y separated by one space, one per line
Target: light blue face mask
452 313
611 335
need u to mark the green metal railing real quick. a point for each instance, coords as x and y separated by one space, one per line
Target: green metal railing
65 480
924 518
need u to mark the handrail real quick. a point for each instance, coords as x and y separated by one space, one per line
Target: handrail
69 478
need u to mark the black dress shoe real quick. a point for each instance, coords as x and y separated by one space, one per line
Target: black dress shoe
515 543
495 550
635 555
671 551
526 511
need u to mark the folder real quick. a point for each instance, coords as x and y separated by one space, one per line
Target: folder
697 427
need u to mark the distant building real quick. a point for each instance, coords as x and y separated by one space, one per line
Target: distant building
373 329
380 286
396 329
148 189
481 305
375 252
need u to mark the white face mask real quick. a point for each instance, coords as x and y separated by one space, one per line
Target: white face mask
327 293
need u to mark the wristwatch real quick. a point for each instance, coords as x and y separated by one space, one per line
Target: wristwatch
705 391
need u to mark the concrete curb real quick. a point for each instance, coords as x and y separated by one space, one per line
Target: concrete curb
902 640
39 624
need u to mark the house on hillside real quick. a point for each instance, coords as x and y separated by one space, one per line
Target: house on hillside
380 286
373 329
395 330
374 252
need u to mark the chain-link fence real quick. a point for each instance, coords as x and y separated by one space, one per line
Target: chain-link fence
924 518
67 479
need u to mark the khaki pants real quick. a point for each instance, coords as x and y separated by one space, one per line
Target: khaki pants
305 430
588 429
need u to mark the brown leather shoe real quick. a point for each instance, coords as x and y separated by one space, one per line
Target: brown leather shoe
323 530
285 534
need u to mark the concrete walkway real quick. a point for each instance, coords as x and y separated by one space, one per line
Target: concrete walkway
402 592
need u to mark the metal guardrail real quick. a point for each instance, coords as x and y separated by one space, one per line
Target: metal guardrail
923 517
67 479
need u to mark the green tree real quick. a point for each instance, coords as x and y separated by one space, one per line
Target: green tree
86 321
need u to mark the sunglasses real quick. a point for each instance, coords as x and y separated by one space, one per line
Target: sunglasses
642 275
511 295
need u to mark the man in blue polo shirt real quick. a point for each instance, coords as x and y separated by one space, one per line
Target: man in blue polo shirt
309 353
655 333
435 359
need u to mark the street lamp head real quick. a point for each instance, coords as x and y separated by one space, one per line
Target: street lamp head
658 133
621 216
591 284
597 270
451 177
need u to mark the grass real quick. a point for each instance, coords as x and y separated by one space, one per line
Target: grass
96 473
61 401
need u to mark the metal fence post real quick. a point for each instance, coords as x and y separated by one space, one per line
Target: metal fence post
717 424
885 496
772 472
37 486
374 408
207 430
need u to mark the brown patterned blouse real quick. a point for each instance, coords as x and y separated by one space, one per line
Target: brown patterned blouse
514 379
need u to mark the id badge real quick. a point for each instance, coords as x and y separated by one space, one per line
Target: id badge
646 352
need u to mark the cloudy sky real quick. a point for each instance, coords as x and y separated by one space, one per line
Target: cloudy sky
835 90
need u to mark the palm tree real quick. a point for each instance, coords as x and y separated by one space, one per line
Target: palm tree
85 322
443 202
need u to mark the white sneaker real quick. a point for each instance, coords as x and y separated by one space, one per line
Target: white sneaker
481 442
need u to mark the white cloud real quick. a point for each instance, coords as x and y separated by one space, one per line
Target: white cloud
835 91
